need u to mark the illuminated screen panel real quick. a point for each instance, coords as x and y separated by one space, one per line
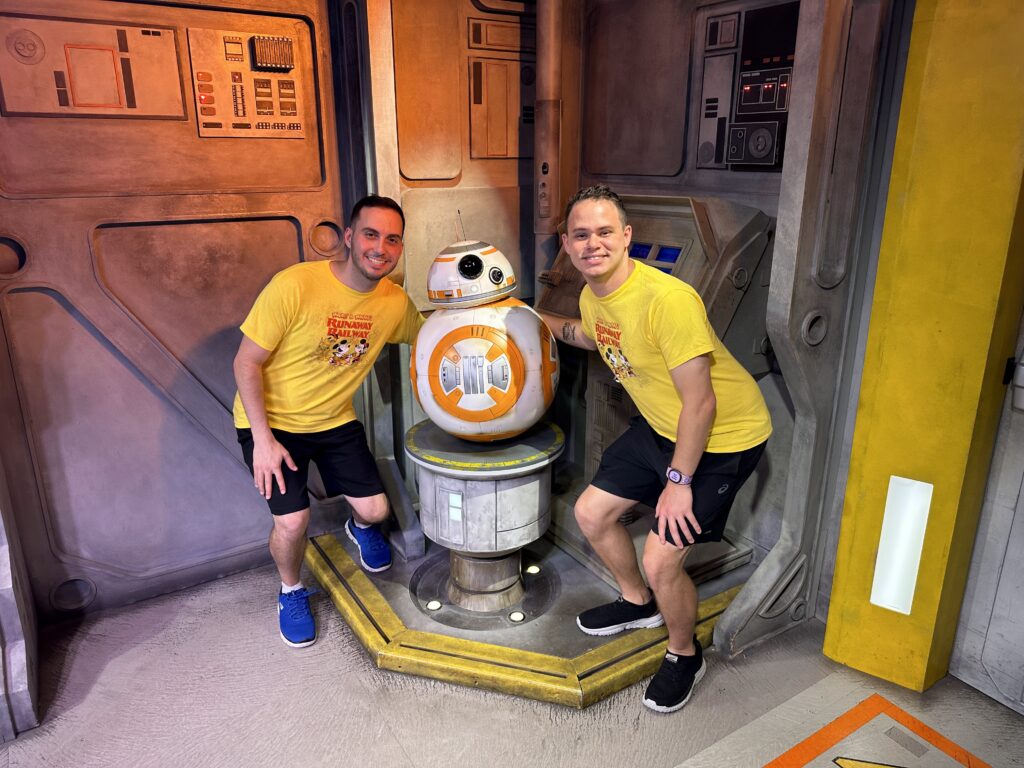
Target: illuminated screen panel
668 253
640 250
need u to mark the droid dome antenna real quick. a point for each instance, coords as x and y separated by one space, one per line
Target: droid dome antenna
461 229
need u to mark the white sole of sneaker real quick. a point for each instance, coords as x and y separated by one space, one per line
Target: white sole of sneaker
651 621
361 561
676 707
297 645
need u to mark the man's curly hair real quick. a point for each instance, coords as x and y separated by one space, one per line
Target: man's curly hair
597 192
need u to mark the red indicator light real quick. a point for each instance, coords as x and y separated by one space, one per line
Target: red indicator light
782 85
746 87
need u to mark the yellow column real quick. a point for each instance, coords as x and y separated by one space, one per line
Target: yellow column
947 304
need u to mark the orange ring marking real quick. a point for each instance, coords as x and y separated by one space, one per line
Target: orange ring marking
412 374
450 401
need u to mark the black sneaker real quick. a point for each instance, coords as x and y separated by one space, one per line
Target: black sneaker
612 618
674 682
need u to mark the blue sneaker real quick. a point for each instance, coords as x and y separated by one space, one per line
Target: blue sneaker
374 550
298 628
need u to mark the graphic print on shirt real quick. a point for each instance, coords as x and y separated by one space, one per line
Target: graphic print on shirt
346 339
608 336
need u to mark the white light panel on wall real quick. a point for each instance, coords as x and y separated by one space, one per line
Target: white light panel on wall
900 544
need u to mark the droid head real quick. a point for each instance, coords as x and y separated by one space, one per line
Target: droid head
468 274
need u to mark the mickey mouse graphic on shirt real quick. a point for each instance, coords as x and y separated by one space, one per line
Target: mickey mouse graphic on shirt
358 351
346 341
607 336
615 358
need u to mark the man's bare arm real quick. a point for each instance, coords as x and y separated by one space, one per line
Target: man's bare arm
569 330
267 453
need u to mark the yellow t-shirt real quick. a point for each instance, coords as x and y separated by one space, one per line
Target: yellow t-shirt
323 339
653 323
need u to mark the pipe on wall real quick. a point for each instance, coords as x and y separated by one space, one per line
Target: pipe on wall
547 134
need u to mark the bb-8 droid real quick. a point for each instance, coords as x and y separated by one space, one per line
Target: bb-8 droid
485 365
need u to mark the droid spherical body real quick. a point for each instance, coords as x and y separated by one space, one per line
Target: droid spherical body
484 364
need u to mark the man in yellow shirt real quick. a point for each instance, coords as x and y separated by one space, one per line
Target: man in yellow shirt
309 341
701 432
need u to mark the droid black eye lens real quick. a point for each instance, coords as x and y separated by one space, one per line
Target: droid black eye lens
496 275
471 266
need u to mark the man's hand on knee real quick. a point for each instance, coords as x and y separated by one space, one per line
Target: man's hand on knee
267 457
675 515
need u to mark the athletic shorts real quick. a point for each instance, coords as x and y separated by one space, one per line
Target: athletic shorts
341 455
633 467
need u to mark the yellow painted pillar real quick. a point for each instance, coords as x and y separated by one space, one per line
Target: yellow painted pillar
947 304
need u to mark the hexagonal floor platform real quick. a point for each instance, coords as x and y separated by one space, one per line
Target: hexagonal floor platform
543 656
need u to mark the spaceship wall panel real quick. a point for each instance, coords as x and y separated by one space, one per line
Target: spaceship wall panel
184 261
75 68
714 119
500 126
427 39
662 97
85 437
131 248
132 103
635 88
762 93
243 91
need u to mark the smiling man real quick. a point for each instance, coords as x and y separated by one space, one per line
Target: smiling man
701 432
309 341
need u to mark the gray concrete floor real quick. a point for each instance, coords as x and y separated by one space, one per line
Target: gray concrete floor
201 678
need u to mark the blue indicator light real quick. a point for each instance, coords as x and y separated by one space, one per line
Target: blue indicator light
640 250
668 254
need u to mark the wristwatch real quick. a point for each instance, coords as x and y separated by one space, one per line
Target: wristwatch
677 477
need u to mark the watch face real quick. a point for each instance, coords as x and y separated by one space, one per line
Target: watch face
674 475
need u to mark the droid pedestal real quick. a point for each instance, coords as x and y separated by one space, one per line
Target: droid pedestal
484 502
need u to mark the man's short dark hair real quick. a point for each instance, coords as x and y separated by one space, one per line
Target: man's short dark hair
597 192
376 201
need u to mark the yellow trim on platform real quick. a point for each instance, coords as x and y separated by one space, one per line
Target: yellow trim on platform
576 682
944 319
485 461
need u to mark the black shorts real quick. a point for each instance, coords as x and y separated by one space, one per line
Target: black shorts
341 455
633 467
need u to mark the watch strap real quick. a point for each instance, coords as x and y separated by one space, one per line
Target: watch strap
677 477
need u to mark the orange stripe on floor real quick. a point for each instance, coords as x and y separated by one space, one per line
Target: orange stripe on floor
819 742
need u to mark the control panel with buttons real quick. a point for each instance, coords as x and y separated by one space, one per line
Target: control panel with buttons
246 85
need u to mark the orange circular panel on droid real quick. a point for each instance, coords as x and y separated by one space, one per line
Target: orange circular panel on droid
476 373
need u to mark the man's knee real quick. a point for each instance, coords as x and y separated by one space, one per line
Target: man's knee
662 562
593 514
370 509
588 515
293 525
